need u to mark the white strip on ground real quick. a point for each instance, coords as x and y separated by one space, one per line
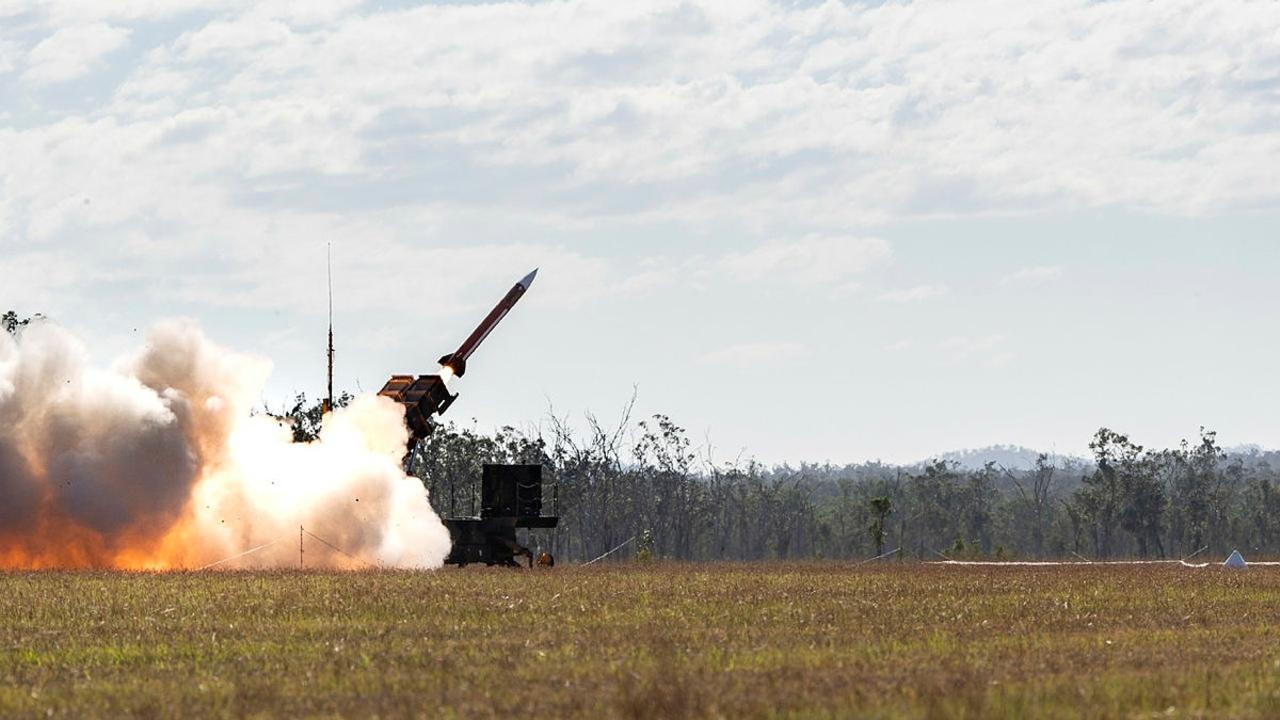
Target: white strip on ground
1072 563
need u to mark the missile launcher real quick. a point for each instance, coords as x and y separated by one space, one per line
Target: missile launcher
425 396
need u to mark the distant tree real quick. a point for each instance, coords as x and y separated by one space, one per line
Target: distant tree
1173 472
1142 512
1261 506
450 462
643 483
13 325
644 548
881 507
663 461
304 416
1034 502
937 507
1124 492
1100 502
978 501
1227 525
1074 511
1197 493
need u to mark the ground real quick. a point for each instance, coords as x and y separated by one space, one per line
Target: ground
765 640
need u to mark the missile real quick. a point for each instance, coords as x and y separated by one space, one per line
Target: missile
456 361
427 395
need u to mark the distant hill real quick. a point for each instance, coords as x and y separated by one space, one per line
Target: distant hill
1247 449
1253 454
1013 457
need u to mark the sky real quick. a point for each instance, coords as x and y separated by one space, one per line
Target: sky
806 231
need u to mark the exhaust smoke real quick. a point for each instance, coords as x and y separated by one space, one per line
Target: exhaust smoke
158 463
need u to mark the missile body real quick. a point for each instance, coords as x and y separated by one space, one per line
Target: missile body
428 395
456 361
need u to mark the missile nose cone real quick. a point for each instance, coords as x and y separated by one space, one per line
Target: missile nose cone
528 279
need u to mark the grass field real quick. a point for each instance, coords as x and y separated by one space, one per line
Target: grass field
645 641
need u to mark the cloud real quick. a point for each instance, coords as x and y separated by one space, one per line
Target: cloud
69 11
915 294
228 141
754 355
377 274
72 51
688 112
1032 275
986 350
10 52
239 36
814 259
35 278
65 12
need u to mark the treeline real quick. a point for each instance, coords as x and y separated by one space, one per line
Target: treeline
644 486
644 482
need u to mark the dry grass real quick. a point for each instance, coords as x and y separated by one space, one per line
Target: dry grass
645 641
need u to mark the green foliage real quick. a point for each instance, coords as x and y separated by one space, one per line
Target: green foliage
644 549
13 325
881 507
304 416
450 464
613 483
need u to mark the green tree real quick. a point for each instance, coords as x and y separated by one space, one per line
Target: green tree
13 324
978 498
1032 507
935 499
1196 492
1102 498
1262 506
304 416
1143 508
881 508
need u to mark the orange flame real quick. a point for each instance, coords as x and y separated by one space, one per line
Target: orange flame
159 464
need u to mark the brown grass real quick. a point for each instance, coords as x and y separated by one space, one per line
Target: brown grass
656 641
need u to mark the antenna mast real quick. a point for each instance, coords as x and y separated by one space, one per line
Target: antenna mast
328 403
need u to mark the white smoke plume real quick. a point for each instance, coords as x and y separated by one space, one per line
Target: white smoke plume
159 463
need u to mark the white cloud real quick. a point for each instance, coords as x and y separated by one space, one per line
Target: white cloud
1031 275
375 274
470 133
987 350
240 35
307 11
845 290
445 149
10 52
65 12
754 355
72 51
918 293
691 112
814 259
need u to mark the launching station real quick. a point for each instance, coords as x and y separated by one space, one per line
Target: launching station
511 498
511 495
